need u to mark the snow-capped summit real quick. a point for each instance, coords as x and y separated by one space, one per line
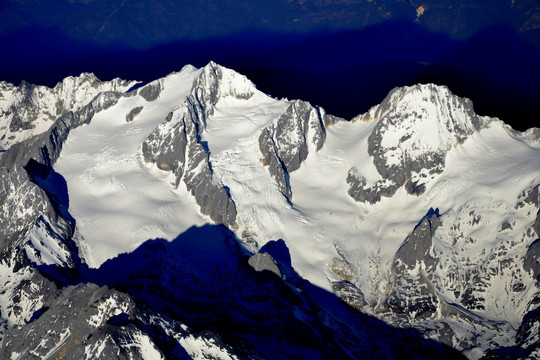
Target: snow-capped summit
216 82
415 128
423 118
176 144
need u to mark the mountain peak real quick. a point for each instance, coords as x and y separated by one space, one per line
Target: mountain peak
427 116
28 110
421 119
82 78
416 127
219 82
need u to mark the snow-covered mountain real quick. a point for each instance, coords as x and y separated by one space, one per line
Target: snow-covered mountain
197 217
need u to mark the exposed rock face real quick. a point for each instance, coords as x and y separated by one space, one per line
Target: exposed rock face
532 260
35 215
411 264
413 297
349 293
425 288
23 290
151 91
416 127
168 152
277 168
176 144
345 288
23 209
286 142
536 225
133 113
216 82
417 247
528 336
74 326
264 262
359 190
343 269
530 196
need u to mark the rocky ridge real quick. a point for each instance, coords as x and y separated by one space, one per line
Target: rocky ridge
176 144
285 143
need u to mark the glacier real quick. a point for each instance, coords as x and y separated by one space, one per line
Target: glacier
411 226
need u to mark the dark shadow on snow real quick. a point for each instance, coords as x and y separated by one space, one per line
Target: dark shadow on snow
53 183
202 278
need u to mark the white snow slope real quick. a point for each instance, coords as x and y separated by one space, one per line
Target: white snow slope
117 201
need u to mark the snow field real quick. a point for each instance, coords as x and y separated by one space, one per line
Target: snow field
120 202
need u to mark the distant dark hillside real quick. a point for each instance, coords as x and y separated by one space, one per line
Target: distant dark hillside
495 69
345 57
144 24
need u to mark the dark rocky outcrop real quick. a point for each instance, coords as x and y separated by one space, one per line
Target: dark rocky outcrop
151 91
350 294
413 296
276 167
285 143
182 152
359 190
416 248
80 319
133 113
531 262
536 226
264 262
343 269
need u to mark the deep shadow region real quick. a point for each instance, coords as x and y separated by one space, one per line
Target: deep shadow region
55 187
345 72
53 183
495 69
46 56
203 279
